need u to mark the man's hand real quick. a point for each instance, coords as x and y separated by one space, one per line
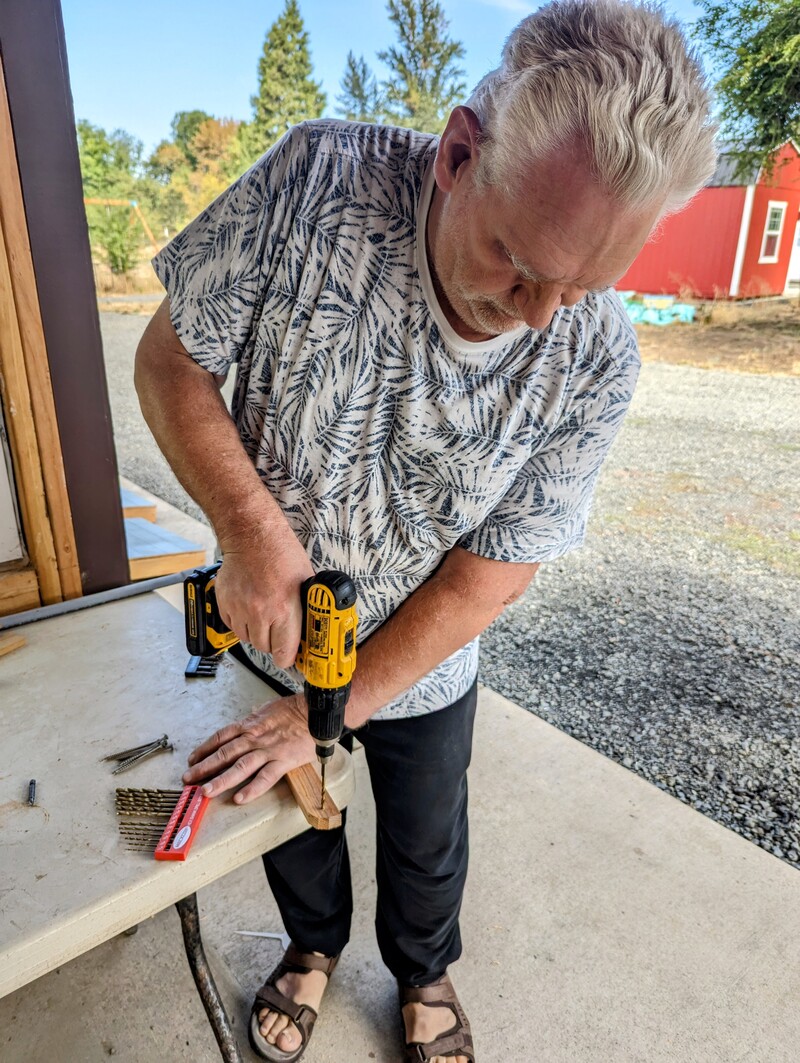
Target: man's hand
258 593
272 740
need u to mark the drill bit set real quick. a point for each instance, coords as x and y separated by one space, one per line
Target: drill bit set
162 822
203 667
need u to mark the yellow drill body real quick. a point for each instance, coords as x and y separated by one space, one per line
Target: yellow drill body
327 653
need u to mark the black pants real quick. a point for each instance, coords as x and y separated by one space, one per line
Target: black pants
418 770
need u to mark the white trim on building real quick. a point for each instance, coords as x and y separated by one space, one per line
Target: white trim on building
741 246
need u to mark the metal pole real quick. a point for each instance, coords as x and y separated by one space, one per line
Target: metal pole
204 980
127 590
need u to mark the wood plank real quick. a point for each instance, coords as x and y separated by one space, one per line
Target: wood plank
165 565
24 444
26 300
305 784
134 505
8 643
18 591
150 540
154 551
142 512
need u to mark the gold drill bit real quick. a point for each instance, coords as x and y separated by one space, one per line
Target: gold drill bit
322 793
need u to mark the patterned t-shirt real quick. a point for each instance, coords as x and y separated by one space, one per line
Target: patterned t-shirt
385 437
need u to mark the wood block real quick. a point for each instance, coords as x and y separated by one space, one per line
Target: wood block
134 505
153 551
305 785
8 643
18 591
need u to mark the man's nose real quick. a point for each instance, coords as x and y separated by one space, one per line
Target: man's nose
537 303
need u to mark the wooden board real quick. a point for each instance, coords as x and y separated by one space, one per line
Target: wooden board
18 591
306 786
24 444
9 643
37 366
154 551
134 505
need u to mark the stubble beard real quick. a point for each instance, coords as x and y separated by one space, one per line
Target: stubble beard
477 312
489 315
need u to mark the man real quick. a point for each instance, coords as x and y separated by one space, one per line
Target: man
432 366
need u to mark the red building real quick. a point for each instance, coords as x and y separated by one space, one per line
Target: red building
736 237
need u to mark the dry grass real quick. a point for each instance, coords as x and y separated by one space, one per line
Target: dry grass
148 308
141 280
762 337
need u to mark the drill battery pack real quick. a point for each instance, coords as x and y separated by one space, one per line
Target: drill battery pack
206 633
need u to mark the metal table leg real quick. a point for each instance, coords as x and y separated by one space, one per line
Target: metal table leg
204 980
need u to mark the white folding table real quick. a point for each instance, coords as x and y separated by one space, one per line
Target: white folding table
87 684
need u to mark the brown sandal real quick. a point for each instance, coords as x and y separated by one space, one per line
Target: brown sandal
457 1041
302 1015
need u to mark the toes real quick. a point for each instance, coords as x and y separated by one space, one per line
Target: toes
277 1027
265 1020
289 1039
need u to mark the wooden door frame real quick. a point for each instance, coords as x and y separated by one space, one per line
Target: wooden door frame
35 62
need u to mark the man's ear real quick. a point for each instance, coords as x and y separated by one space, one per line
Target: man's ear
459 148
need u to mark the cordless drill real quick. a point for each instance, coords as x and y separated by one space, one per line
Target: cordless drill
327 653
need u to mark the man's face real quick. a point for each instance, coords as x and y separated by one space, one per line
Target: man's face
499 261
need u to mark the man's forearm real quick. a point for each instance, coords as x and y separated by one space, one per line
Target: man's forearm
183 407
448 611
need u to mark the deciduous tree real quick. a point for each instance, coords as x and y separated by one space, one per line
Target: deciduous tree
111 168
754 46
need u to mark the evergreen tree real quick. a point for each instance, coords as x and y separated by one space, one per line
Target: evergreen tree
286 93
360 99
754 46
425 84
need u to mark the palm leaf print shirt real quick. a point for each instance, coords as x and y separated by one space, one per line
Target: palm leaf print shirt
385 437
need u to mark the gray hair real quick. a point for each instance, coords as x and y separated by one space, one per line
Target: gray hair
617 77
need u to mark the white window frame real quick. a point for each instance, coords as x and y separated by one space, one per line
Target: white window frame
773 203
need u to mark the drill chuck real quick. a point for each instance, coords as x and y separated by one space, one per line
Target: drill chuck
326 716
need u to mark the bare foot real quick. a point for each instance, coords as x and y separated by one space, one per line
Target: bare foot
277 1028
426 1023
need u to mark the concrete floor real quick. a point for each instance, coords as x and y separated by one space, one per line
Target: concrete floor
604 922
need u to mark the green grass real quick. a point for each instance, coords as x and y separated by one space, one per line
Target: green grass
777 553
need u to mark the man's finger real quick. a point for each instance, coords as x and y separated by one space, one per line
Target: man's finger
244 767
219 759
219 738
272 772
284 638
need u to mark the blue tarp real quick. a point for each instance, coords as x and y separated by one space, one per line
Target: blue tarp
656 309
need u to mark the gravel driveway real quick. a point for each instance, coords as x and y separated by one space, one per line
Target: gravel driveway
670 642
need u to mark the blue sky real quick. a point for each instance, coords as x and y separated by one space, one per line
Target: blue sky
133 65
